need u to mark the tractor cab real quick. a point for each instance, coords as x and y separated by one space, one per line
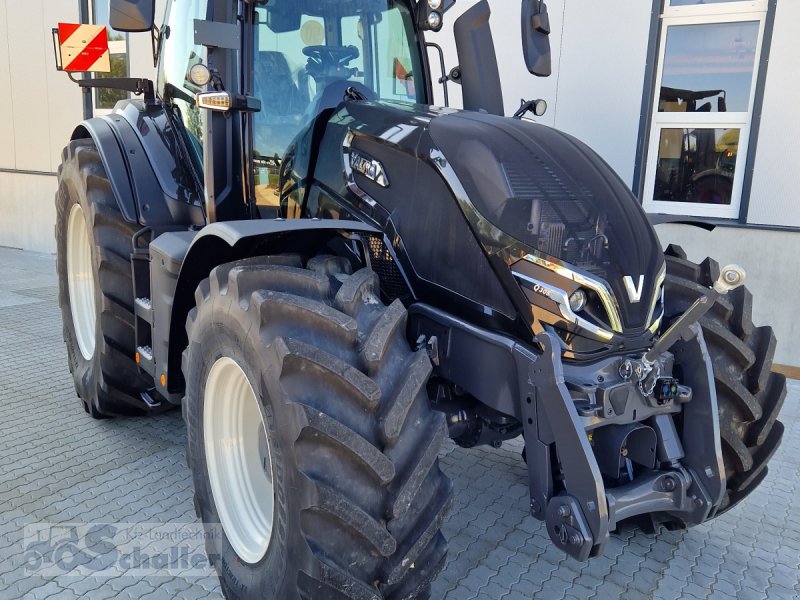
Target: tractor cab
272 67
291 60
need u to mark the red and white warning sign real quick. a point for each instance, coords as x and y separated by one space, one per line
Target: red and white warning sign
84 48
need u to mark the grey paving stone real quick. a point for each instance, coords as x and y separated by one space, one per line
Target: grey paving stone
778 592
59 466
747 593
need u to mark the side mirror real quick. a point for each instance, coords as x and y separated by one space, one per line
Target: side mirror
132 15
536 37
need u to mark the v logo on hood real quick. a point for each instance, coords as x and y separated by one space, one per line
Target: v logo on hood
634 293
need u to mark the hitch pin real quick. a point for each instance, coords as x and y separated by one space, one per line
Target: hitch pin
730 278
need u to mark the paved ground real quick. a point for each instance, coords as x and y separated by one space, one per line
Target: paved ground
59 466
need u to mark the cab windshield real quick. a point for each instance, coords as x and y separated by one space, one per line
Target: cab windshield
308 54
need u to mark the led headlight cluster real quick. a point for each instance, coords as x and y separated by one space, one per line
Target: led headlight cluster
435 15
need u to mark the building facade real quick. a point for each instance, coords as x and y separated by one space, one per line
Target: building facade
722 154
688 100
40 107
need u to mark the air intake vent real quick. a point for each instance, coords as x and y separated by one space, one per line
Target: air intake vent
393 285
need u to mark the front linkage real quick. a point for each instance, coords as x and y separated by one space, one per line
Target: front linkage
601 440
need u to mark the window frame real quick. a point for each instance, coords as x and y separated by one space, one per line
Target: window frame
728 7
746 122
194 152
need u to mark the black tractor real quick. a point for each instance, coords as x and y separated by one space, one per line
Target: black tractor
332 276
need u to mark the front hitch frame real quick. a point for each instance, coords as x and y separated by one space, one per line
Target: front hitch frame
577 519
580 517
566 486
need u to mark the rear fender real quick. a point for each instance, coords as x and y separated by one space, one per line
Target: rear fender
102 133
140 152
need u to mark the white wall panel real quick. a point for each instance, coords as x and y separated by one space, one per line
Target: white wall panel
776 178
7 157
29 93
64 101
601 83
27 207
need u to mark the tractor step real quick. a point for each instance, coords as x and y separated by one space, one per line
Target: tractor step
149 401
144 358
144 310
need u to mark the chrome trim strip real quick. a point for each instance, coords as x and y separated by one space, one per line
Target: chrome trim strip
562 300
27 172
660 280
656 324
600 287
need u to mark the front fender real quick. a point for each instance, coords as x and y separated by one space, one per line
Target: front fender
181 260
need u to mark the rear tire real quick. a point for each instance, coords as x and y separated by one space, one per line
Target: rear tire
359 498
749 394
93 262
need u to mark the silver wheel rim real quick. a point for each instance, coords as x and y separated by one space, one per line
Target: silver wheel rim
239 460
80 281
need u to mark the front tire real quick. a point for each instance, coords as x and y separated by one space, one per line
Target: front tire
749 394
358 498
96 286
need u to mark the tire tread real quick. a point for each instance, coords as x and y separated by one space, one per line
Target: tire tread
340 339
750 396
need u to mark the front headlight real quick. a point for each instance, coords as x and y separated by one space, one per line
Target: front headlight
577 302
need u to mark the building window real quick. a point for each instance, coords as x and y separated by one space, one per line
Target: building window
106 99
709 57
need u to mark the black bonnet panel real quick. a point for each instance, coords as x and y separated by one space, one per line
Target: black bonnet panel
554 194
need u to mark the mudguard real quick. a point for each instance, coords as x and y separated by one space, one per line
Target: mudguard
139 149
179 261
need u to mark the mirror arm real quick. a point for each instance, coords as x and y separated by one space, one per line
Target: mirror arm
138 87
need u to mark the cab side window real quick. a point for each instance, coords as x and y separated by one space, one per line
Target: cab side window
178 55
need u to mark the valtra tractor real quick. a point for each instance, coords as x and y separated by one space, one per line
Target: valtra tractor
331 275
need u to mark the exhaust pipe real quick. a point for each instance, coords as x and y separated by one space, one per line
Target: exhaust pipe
480 77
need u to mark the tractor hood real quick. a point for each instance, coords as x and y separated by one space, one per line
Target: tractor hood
554 195
467 195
